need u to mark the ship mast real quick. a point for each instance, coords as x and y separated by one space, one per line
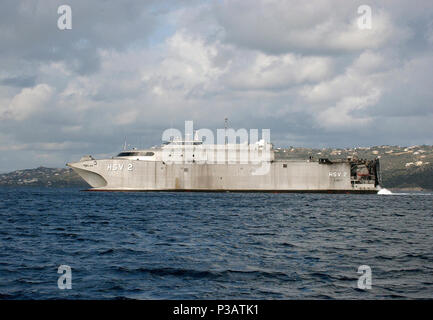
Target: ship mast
225 129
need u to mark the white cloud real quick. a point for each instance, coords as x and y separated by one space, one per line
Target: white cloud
339 102
28 102
187 64
358 79
341 114
320 26
264 71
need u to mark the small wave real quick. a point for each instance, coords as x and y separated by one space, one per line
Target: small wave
6 296
106 251
170 272
322 276
193 273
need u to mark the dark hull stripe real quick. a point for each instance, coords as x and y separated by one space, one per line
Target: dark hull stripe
242 191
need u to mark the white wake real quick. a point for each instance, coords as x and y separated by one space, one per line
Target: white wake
384 191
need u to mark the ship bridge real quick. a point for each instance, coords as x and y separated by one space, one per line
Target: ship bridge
146 155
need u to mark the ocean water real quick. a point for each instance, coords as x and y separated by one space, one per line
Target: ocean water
161 245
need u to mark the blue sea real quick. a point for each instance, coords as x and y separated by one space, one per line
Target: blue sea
160 245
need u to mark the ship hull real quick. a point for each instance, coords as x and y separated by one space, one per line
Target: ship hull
275 176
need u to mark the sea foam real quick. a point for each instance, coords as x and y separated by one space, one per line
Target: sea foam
384 191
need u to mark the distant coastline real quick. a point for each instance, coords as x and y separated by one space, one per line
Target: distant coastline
42 177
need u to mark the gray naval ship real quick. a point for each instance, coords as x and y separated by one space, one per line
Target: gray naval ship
182 165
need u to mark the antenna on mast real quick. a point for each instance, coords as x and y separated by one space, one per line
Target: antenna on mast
124 145
225 129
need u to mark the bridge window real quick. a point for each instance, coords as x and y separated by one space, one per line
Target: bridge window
128 154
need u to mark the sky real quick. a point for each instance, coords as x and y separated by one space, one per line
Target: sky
306 70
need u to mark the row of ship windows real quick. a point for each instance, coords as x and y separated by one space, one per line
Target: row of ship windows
134 154
186 169
149 154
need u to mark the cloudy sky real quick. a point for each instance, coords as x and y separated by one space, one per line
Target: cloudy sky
303 69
